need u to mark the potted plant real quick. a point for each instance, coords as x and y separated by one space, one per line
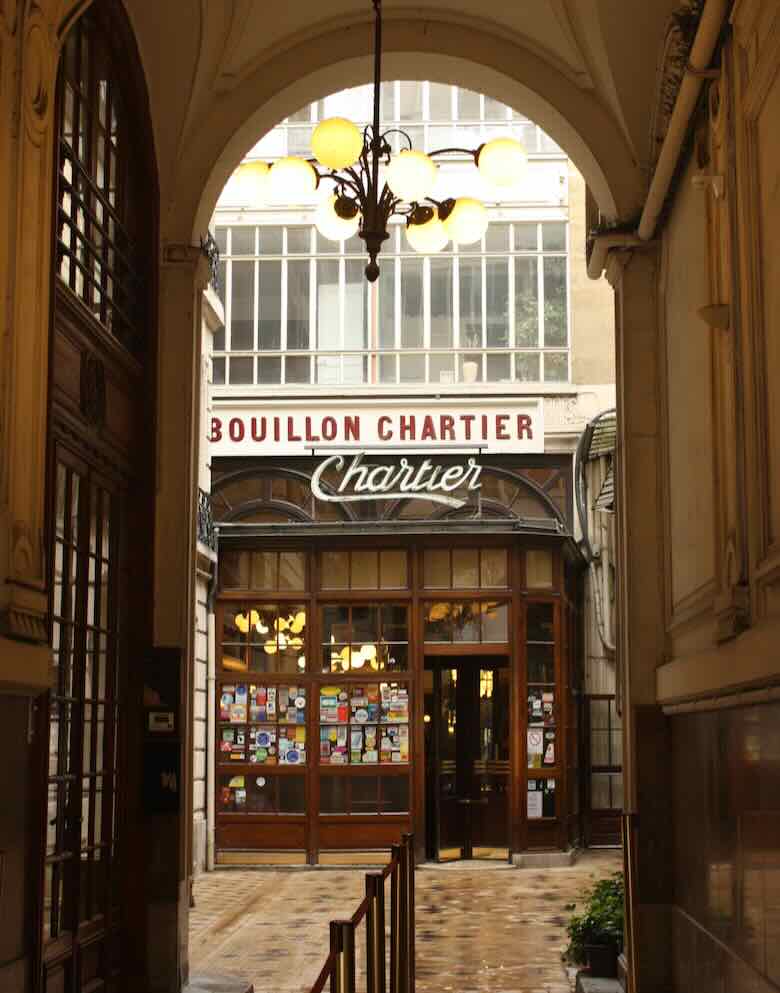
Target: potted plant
596 934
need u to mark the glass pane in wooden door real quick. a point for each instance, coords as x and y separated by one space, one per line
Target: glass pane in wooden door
79 834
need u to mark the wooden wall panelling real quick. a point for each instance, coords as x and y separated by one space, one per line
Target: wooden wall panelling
757 110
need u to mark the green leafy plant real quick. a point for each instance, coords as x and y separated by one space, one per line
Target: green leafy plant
601 921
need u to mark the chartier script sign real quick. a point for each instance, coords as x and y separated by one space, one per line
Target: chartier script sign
345 436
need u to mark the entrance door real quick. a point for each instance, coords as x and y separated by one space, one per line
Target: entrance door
467 758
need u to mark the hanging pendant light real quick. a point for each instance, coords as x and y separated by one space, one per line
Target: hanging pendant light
502 161
331 224
370 184
336 143
465 220
425 232
411 175
292 179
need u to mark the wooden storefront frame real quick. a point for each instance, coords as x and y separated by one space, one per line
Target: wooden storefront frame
551 833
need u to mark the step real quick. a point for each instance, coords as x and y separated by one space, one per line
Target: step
594 984
217 984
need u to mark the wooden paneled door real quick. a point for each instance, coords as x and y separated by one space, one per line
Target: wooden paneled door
100 499
79 905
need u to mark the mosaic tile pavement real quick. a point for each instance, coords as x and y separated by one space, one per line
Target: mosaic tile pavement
479 927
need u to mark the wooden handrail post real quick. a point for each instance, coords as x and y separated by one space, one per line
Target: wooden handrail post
396 943
375 932
408 841
403 920
335 951
344 966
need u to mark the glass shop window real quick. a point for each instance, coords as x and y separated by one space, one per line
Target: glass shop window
606 754
381 794
262 794
540 799
364 724
364 569
264 637
465 568
466 621
262 724
541 733
278 571
539 569
367 637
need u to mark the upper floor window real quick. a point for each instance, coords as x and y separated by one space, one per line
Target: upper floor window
430 113
300 312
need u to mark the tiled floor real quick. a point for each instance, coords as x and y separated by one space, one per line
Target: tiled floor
480 928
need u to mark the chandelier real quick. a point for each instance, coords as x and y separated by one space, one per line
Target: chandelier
371 184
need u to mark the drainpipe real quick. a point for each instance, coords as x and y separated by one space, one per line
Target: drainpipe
697 70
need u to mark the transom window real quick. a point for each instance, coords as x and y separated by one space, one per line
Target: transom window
98 255
299 310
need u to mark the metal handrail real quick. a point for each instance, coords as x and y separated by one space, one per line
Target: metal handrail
339 965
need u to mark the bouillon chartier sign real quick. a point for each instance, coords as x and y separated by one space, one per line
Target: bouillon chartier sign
492 426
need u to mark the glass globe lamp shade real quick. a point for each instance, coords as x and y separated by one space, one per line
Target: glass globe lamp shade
292 179
330 225
428 236
502 161
337 143
253 181
411 175
466 222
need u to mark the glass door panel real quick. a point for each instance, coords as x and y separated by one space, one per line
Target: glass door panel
467 758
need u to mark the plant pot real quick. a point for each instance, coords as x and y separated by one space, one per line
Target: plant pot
602 960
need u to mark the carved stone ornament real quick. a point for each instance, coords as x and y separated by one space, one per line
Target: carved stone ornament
93 390
37 74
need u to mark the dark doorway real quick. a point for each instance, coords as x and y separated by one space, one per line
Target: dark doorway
467 757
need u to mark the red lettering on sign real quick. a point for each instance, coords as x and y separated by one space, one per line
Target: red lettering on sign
428 430
352 427
310 436
446 428
468 420
384 429
524 427
236 429
329 428
291 435
216 429
501 431
258 434
407 428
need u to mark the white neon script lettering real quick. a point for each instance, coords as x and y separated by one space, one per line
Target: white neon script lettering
388 482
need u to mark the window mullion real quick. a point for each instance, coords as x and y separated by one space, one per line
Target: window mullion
426 312
283 308
397 318
511 304
483 340
455 302
540 297
342 315
229 293
312 317
256 310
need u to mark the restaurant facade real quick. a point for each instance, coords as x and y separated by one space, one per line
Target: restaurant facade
398 638
398 634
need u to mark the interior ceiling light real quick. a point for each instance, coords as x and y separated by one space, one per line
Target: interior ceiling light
362 202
